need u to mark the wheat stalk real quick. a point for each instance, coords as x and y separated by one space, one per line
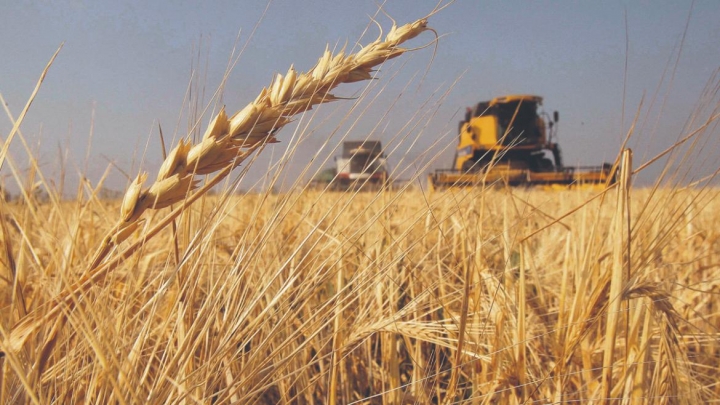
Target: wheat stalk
227 142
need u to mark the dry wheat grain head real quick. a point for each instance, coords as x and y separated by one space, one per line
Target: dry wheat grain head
226 143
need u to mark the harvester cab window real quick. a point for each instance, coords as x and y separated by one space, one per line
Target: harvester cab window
523 128
482 109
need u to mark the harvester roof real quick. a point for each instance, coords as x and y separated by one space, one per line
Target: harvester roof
515 98
369 147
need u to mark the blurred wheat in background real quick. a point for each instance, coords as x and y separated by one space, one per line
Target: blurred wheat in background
485 295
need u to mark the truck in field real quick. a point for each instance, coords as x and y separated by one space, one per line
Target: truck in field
362 165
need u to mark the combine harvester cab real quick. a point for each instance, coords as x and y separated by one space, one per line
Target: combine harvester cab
505 141
362 166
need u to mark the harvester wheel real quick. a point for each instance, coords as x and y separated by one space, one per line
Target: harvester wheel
470 166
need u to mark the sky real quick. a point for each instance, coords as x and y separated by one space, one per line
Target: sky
127 67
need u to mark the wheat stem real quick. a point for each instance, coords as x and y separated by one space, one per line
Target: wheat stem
227 142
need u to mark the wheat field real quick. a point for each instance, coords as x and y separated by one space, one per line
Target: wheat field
488 295
396 297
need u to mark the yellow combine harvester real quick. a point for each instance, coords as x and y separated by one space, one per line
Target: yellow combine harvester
506 141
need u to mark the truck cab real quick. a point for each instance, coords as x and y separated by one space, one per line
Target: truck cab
362 165
361 161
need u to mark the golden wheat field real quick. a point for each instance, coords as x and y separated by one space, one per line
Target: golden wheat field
396 297
174 294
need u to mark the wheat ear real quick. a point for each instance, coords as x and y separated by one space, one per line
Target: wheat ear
229 141
224 146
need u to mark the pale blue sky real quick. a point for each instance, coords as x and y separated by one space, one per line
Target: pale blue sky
130 62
